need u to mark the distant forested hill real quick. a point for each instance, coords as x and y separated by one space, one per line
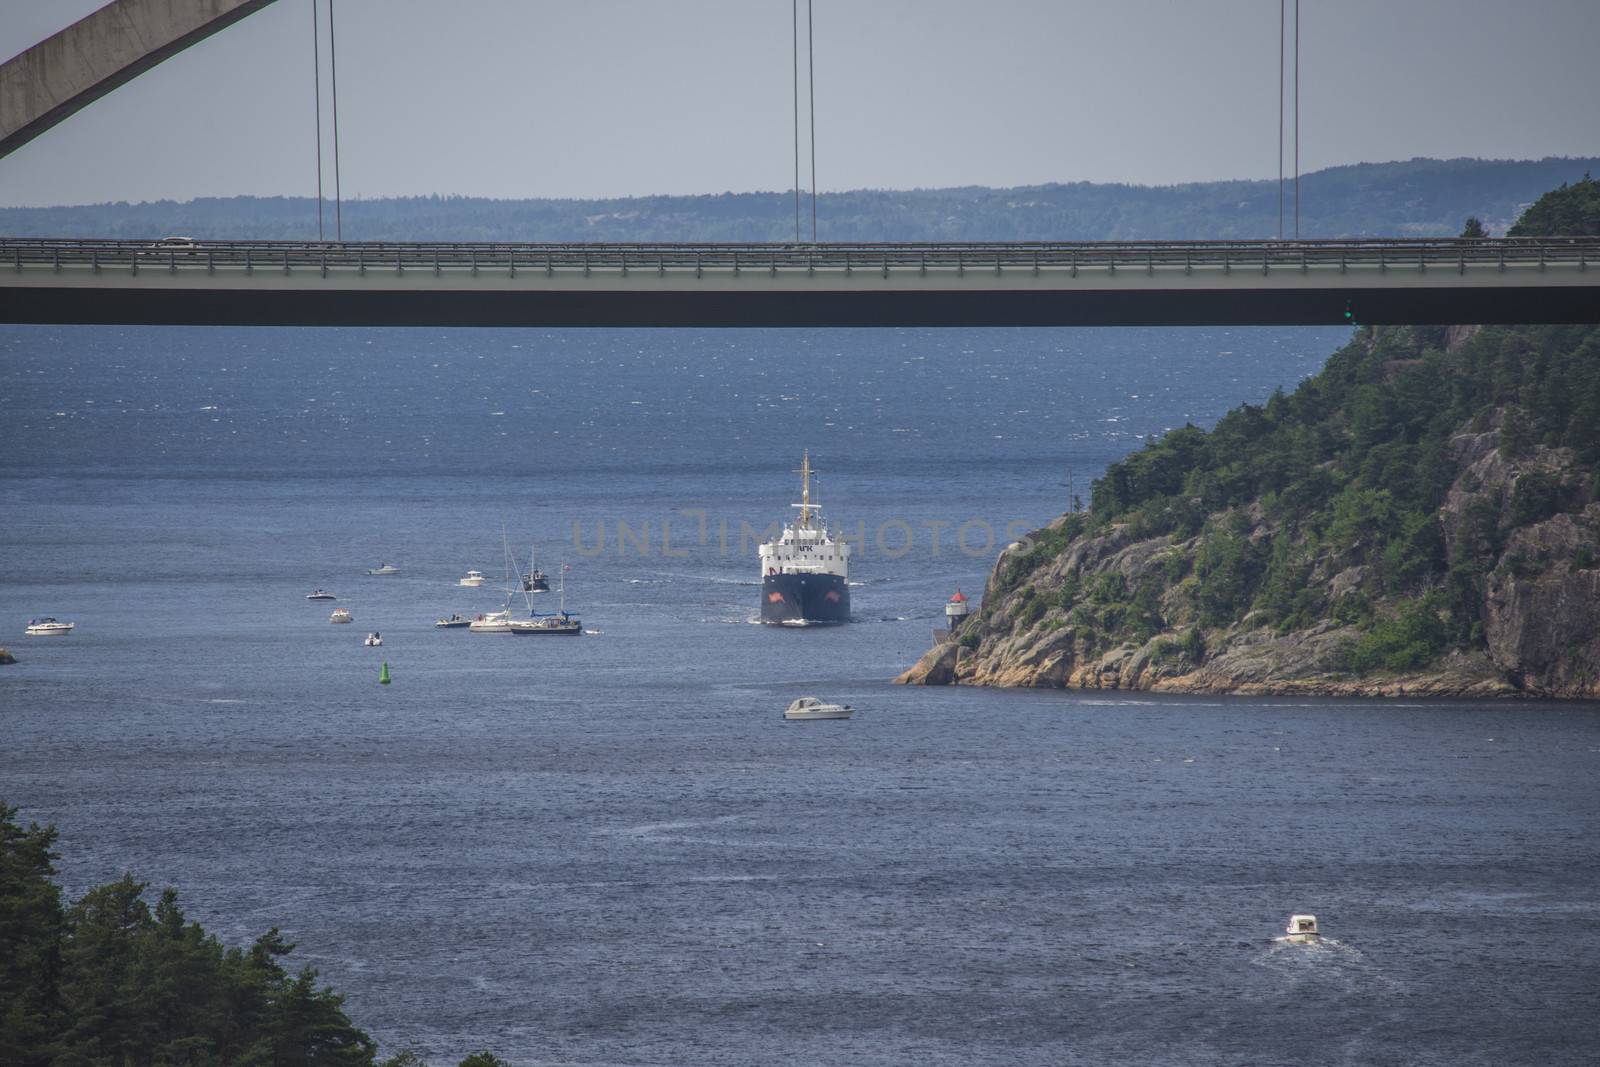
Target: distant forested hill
1419 197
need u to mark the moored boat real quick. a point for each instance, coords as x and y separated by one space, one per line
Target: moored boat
341 615
534 580
384 568
48 627
452 622
491 622
559 624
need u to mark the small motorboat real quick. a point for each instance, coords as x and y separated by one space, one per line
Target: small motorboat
452 622
341 615
373 640
535 581
320 594
817 708
1302 928
473 578
384 568
48 627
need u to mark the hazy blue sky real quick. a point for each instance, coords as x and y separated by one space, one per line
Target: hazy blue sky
513 98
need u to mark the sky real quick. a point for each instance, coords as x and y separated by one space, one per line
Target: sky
555 98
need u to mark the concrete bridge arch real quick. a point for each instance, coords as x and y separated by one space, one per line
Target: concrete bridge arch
69 70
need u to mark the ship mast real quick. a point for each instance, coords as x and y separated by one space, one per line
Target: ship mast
805 505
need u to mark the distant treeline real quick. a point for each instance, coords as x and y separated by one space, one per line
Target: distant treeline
109 981
1420 197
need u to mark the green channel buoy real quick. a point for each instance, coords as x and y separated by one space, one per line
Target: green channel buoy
383 676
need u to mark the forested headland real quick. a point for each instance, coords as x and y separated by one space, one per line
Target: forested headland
1423 516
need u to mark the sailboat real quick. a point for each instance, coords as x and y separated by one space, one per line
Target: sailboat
556 624
500 622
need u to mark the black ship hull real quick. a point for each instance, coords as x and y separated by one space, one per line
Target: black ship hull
801 599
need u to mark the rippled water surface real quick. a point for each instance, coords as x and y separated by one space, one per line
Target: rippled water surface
611 849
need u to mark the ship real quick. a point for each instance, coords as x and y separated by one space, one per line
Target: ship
805 572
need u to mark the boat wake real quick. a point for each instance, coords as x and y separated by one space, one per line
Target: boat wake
1325 961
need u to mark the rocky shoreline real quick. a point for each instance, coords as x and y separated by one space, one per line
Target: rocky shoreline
1539 604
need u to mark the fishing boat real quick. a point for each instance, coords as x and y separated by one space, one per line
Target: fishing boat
48 627
534 580
473 579
1302 929
320 594
384 568
341 615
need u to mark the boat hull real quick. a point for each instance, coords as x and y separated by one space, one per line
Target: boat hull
49 631
829 713
804 599
567 630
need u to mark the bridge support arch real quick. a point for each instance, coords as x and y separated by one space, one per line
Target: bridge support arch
71 69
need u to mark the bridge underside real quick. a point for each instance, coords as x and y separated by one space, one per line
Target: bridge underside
989 307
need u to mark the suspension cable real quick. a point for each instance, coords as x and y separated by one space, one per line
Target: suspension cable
811 78
1297 120
1281 16
333 70
794 30
316 81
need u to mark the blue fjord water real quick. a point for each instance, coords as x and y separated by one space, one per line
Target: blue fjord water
610 850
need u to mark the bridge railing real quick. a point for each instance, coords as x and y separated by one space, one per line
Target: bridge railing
25 252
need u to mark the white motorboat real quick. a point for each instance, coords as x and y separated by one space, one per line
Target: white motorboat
817 708
320 594
492 622
1302 928
384 568
341 615
48 627
473 578
373 640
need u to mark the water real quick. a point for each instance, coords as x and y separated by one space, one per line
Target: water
611 849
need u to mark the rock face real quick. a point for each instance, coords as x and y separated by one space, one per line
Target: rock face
1540 603
6 656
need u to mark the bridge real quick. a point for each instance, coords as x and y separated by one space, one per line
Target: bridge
242 282
1506 280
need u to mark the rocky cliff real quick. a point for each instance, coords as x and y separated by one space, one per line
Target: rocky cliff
1423 517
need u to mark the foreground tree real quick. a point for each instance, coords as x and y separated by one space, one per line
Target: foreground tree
31 923
111 982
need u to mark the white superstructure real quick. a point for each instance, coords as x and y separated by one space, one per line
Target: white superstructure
806 546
